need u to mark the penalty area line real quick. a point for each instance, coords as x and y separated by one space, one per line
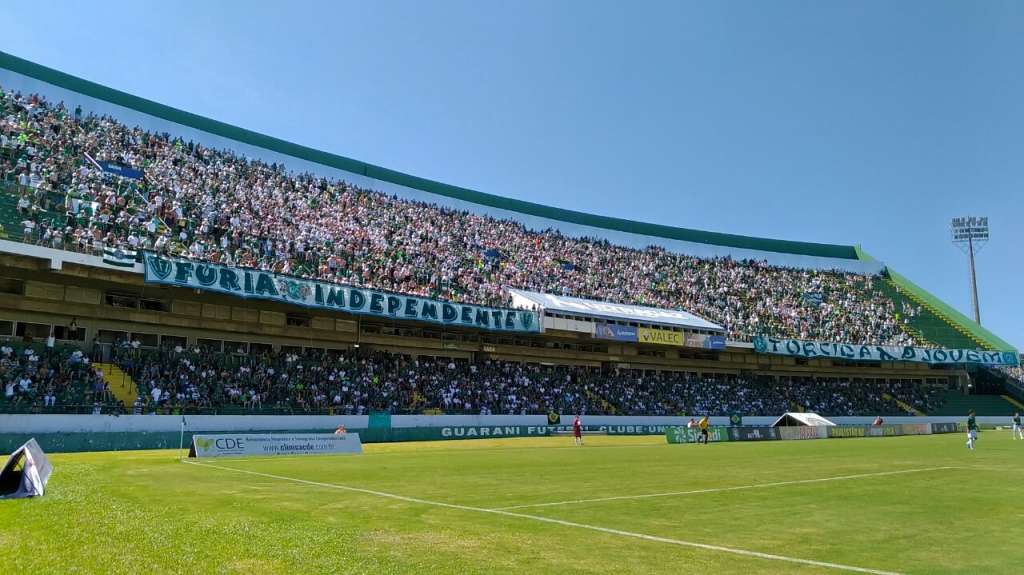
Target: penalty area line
723 489
551 520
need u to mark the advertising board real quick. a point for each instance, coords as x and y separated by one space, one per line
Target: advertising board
615 332
811 432
753 434
660 336
265 444
681 434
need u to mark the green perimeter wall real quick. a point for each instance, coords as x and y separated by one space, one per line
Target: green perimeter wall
135 440
127 440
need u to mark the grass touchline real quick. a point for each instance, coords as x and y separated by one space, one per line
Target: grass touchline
720 489
654 538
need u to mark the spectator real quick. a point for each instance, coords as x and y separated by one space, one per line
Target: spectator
214 205
357 382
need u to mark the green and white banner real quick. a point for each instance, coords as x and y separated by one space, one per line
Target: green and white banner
124 258
813 349
250 283
681 434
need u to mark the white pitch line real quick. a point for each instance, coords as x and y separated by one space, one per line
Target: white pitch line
721 489
654 538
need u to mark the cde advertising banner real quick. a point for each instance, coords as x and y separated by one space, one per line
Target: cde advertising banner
264 444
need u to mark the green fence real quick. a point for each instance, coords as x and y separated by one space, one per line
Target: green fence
118 441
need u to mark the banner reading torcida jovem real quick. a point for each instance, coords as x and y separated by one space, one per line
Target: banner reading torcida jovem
801 348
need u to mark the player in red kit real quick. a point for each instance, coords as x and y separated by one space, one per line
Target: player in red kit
577 430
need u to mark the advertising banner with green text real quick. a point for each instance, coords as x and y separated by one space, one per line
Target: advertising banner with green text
682 434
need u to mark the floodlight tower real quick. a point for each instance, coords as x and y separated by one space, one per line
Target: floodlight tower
970 234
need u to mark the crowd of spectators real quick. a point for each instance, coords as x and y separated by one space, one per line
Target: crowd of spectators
215 205
40 378
354 382
1017 373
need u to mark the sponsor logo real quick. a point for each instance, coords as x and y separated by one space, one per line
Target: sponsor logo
615 332
660 336
276 444
800 432
680 434
752 434
847 431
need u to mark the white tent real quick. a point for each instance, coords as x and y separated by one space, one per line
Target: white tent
26 472
796 419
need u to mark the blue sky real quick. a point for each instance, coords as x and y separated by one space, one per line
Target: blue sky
870 122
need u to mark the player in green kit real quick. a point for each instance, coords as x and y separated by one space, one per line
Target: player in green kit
972 430
1017 431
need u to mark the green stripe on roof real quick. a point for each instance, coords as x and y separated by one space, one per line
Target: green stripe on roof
242 135
993 341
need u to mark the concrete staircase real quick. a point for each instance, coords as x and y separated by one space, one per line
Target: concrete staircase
903 405
609 407
931 324
121 385
1014 402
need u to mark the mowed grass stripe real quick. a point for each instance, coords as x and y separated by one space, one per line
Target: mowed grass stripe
721 489
607 530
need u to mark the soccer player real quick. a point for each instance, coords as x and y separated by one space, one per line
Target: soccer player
691 427
577 430
972 430
703 430
1018 433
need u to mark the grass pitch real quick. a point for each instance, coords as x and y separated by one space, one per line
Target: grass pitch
914 505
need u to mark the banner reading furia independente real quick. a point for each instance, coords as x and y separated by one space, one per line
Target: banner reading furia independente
801 348
249 283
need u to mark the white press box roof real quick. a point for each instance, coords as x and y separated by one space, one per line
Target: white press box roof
608 310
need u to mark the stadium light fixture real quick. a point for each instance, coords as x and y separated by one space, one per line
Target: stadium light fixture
970 234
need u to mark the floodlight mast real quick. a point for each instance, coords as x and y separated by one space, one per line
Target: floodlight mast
971 234
974 280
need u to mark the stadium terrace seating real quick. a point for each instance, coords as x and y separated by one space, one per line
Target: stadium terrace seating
210 204
1016 373
924 322
354 382
956 403
35 378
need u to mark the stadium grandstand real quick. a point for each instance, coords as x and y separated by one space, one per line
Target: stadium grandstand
155 261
